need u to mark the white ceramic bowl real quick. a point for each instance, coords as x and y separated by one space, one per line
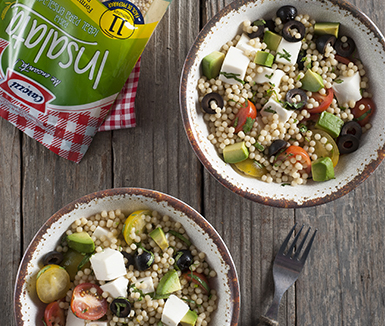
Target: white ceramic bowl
29 309
353 168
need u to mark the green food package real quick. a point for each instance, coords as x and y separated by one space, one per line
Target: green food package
63 63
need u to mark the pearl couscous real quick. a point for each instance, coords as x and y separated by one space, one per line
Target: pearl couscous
256 112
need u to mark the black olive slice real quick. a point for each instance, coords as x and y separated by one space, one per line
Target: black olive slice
183 260
259 32
286 13
323 40
276 146
270 25
293 24
144 260
53 257
207 100
345 49
120 307
351 128
300 60
130 259
293 93
347 144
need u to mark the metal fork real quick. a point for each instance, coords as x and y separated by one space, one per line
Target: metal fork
286 269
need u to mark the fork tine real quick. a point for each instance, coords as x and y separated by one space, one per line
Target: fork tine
304 256
291 249
297 252
286 241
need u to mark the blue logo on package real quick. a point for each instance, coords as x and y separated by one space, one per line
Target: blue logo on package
128 7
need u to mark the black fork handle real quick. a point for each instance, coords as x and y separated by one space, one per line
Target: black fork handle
265 321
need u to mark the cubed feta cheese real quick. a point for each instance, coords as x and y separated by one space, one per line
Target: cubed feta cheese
269 75
72 320
235 64
146 284
244 45
174 310
348 89
287 52
272 106
99 231
116 288
108 265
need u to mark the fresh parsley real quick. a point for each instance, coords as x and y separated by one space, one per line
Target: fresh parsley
231 75
302 127
248 124
259 22
286 55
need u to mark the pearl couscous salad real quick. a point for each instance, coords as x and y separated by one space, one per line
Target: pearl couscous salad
285 98
111 270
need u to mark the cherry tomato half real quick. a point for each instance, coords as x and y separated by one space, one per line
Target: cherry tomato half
293 151
323 100
246 111
87 302
363 116
198 279
54 315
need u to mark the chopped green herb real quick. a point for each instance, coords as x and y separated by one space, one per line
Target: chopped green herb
248 124
302 128
230 75
259 164
293 106
84 261
338 81
269 76
362 117
268 109
285 184
259 146
235 124
180 236
259 22
308 66
286 55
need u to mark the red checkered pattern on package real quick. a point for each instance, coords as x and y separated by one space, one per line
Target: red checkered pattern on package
122 114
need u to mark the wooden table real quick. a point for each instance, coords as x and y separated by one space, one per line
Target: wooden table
343 282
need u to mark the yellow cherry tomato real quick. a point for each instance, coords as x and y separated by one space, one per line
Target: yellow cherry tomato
320 148
52 283
135 220
251 167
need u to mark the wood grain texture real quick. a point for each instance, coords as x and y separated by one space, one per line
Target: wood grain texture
343 282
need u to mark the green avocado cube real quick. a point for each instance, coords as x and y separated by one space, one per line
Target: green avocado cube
272 40
322 169
312 81
264 59
330 123
235 153
327 28
189 318
212 63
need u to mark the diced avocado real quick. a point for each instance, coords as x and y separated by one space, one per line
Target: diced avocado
312 81
189 319
272 40
212 63
330 123
169 283
159 237
72 261
322 169
235 153
81 242
264 58
327 28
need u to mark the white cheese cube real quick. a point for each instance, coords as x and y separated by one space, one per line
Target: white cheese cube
116 288
244 45
235 64
272 106
99 232
72 320
287 52
97 323
146 284
108 265
348 89
174 310
269 75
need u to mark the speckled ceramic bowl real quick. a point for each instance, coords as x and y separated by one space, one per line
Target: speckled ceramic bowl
352 169
28 308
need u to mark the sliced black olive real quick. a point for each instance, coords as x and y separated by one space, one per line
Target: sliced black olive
144 260
206 102
276 146
345 49
323 40
287 13
270 25
259 32
347 143
130 259
293 93
183 259
300 60
53 257
293 24
120 307
351 128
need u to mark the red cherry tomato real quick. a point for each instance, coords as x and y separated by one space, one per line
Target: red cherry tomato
54 315
198 279
87 303
246 111
293 151
363 116
341 59
323 100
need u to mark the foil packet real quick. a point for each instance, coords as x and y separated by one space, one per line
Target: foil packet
63 63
